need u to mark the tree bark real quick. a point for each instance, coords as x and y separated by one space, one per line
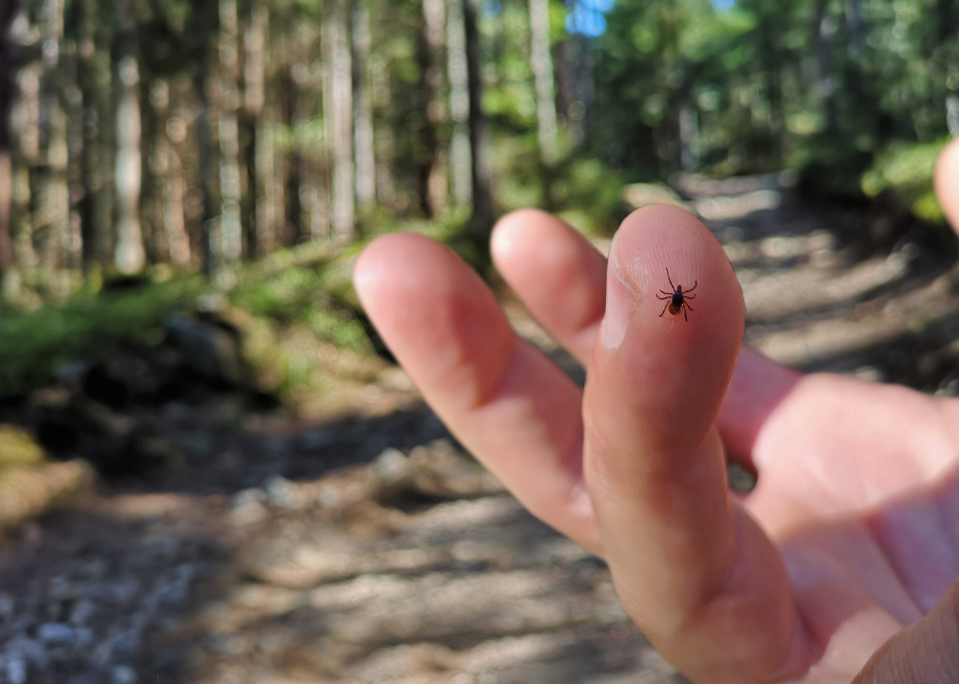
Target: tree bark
7 76
171 237
90 179
856 28
53 206
210 234
542 63
363 108
338 107
461 157
293 209
231 228
481 221
822 38
130 255
260 218
383 135
431 166
27 123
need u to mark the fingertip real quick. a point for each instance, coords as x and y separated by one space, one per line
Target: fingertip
508 233
435 314
653 396
377 264
946 182
689 352
660 247
367 269
556 272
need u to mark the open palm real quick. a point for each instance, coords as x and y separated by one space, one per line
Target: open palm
852 533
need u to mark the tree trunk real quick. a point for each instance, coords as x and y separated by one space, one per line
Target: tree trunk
269 202
383 135
171 238
210 241
688 132
822 38
90 179
461 158
431 165
27 124
856 28
338 106
174 218
293 209
259 219
542 63
231 227
481 221
363 108
7 77
576 85
53 206
130 256
425 146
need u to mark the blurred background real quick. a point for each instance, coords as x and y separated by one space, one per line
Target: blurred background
211 470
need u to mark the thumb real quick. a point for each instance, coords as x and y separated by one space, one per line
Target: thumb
694 572
947 183
926 652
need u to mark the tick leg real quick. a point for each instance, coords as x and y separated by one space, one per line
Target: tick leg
668 294
684 314
662 298
686 295
664 310
688 306
693 287
670 279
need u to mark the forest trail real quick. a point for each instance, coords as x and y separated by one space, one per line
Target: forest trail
363 545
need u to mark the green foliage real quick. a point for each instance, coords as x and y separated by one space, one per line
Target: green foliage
35 345
905 170
588 195
291 290
311 296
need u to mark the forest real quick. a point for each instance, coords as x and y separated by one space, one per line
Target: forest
212 469
198 135
183 143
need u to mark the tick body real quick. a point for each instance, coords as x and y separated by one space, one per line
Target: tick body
677 299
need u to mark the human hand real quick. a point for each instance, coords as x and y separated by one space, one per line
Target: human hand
852 533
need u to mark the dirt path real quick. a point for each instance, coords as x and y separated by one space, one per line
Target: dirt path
364 546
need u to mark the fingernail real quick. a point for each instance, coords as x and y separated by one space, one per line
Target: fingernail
619 306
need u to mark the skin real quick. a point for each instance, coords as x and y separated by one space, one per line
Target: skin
839 567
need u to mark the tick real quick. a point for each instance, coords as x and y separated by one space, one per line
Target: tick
677 300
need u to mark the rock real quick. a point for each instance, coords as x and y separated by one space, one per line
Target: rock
124 675
57 633
124 592
281 492
17 671
213 349
7 606
391 466
248 506
198 444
